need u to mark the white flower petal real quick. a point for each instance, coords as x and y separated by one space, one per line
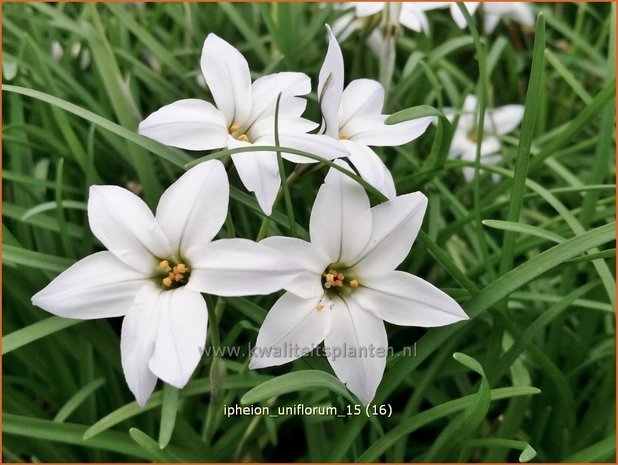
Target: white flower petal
307 257
235 267
414 18
330 85
368 8
189 124
181 335
407 300
458 16
355 331
292 327
303 253
340 223
469 114
227 74
259 173
266 90
490 21
193 209
262 132
361 97
371 130
98 286
315 144
504 119
395 226
523 14
371 168
126 226
137 343
345 25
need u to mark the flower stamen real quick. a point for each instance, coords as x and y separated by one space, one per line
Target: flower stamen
336 279
174 276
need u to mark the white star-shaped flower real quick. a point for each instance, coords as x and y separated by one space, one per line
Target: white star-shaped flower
349 285
520 12
154 270
354 117
497 122
244 116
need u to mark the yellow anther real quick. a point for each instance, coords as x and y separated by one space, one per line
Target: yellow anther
178 277
234 128
354 283
343 136
339 283
340 276
167 282
330 278
243 138
333 272
180 268
164 265
319 307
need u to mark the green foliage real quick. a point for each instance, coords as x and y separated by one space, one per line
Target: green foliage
531 257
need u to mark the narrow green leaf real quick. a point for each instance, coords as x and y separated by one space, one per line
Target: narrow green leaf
535 85
77 399
174 156
151 448
525 229
169 409
35 331
47 206
293 382
604 450
416 422
39 260
194 387
527 454
69 434
420 111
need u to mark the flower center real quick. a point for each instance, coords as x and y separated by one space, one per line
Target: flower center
343 136
236 133
337 281
473 136
172 275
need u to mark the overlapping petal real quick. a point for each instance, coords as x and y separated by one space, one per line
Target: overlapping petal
354 331
126 226
361 97
340 223
290 85
292 328
137 343
187 213
235 267
189 124
181 335
371 130
98 286
371 168
310 259
259 173
414 18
